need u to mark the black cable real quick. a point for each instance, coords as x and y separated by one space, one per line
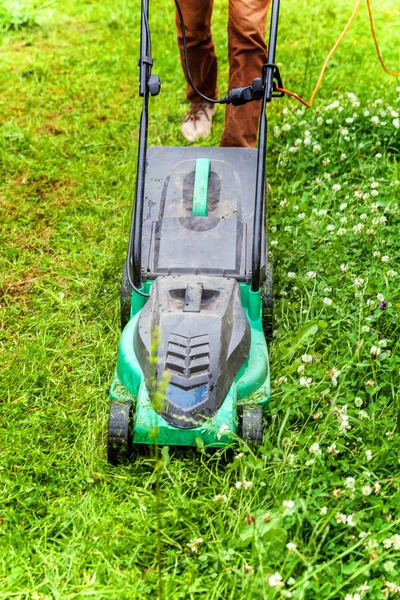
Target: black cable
146 20
185 50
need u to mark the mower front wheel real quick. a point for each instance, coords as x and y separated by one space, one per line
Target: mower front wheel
120 426
251 425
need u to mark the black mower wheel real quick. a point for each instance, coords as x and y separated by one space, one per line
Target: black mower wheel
120 423
126 297
252 429
268 304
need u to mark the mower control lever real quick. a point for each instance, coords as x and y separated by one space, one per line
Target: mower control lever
154 85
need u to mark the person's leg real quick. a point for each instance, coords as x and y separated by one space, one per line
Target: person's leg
247 55
201 53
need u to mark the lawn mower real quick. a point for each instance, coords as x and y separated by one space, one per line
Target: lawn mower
195 284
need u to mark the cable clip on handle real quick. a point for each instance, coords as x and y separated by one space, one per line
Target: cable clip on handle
255 91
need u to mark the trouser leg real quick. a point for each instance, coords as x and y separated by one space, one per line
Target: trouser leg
201 53
247 55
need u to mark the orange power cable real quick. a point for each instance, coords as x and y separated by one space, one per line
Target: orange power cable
340 38
388 71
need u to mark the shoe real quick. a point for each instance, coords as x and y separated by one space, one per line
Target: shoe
197 123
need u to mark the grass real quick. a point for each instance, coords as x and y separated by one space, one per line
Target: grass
326 479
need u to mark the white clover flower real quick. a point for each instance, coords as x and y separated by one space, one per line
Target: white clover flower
374 193
391 273
316 148
330 228
300 368
284 203
327 301
315 449
385 258
377 488
323 510
344 268
366 490
275 581
301 215
221 498
238 485
195 544
396 123
396 541
287 228
380 297
239 455
329 121
359 282
365 328
363 415
358 228
335 104
306 358
293 149
311 274
291 581
327 175
389 565
368 455
375 120
342 231
352 597
291 275
350 483
291 546
286 127
340 518
274 243
305 382
247 484
350 520
336 187
288 505
374 207
343 206
332 449
358 402
320 120
298 142
387 543
375 350
363 217
378 155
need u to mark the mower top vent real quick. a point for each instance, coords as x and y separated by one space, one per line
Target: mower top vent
188 360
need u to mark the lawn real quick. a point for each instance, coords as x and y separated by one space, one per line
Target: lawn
314 513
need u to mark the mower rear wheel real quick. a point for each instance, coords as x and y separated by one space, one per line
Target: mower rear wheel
126 297
268 304
252 429
120 424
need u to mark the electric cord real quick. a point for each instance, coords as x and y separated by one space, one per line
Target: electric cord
332 51
236 96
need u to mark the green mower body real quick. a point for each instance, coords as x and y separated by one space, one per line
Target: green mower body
211 349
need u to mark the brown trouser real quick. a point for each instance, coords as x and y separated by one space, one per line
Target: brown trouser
247 55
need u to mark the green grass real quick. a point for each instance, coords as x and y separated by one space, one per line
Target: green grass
71 526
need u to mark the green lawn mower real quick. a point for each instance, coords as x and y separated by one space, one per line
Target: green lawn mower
195 285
